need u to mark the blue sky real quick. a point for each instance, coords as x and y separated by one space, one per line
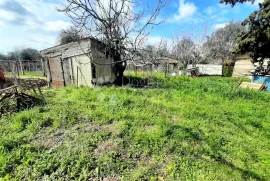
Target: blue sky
36 23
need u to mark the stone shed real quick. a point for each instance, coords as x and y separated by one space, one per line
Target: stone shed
79 63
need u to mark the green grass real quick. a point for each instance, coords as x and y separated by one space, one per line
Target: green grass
191 129
27 74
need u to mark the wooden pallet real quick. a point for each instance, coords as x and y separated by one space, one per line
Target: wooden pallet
255 86
14 99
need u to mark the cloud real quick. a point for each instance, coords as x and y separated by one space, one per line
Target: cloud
258 1
210 10
255 4
155 40
218 26
152 40
14 6
30 23
13 13
56 25
185 10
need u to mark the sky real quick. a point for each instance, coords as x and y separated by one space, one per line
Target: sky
36 23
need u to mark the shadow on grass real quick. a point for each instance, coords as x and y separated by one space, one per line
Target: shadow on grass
246 174
18 102
139 82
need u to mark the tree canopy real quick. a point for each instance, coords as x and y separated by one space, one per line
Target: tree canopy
3 57
23 54
222 42
256 39
69 35
184 51
233 2
30 54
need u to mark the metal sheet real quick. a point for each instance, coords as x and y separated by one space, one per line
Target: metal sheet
56 72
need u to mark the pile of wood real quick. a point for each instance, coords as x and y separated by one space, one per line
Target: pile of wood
26 94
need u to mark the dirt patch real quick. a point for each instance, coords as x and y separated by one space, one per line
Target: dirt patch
50 140
107 146
108 179
95 127
53 139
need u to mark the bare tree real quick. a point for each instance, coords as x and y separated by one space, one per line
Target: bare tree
159 50
222 42
117 23
189 48
183 51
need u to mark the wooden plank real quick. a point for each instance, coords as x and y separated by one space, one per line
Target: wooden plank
255 86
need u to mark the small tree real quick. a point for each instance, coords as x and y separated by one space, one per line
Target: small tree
30 54
189 48
14 55
183 51
69 35
119 24
3 57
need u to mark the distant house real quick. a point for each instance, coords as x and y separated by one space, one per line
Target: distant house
244 66
79 63
170 64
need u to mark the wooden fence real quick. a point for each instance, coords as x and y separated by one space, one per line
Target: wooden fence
19 67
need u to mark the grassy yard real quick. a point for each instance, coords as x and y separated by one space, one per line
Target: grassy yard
188 129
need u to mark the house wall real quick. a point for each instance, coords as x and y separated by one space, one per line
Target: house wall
105 70
243 66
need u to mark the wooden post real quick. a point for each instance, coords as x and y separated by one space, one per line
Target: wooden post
63 73
22 71
9 66
165 70
77 76
223 62
72 70
43 67
49 70
29 70
17 69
